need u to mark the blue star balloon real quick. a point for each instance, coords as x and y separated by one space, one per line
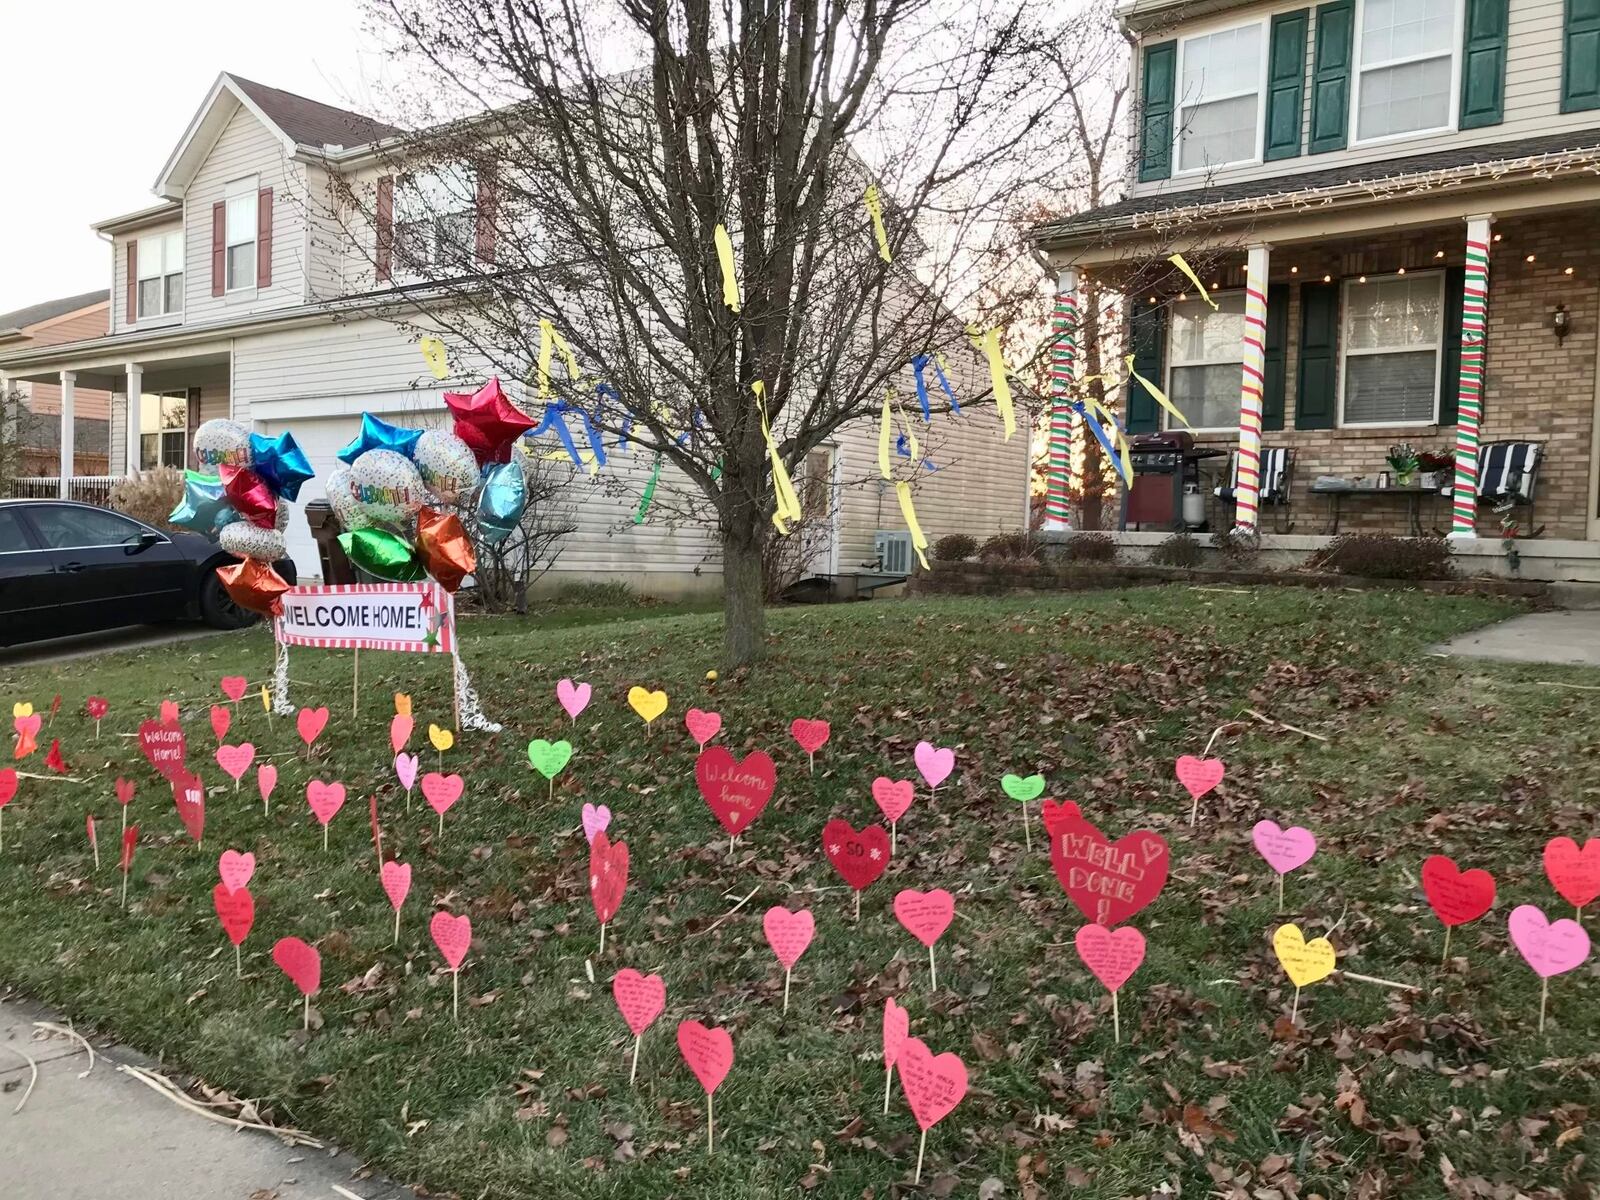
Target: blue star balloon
281 463
204 507
380 435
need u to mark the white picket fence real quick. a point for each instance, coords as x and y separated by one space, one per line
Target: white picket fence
90 489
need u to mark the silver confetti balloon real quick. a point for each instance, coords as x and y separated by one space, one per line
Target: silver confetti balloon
280 520
447 464
387 487
249 540
343 502
222 441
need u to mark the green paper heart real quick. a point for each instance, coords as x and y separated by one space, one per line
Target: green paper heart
1022 789
550 758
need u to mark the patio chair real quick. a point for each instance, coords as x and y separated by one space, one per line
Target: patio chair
1277 485
1507 473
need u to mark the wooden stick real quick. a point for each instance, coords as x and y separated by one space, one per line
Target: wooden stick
921 1148
124 891
1446 959
1116 1018
1544 996
307 1023
933 969
710 1126
238 963
633 1073
455 995
163 1086
894 836
888 1078
1283 725
1027 829
355 682
1388 983
858 904
95 843
729 913
1280 892
1294 1013
786 991
396 941
602 940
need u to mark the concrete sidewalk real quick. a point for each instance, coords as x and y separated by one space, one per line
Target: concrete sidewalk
1565 638
108 1135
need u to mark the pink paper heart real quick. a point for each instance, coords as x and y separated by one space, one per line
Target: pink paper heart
640 998
935 764
896 1028
236 869
788 933
236 760
1284 849
1550 947
1111 954
573 697
702 725
441 791
169 712
595 820
266 780
28 727
453 936
400 733
300 962
1199 775
124 791
233 686
894 796
926 915
325 799
221 718
396 878
309 721
933 1086
405 769
709 1052
810 735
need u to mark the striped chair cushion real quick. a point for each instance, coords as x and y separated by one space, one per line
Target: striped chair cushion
1508 469
1274 468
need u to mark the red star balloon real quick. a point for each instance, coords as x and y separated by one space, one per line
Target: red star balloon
488 422
249 493
254 585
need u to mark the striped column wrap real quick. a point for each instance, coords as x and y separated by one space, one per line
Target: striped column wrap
1063 363
1474 300
1248 491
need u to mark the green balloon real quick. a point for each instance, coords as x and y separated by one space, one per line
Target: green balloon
381 553
549 758
1022 789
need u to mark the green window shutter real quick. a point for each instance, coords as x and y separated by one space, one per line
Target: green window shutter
1155 125
1455 281
1147 338
1330 76
1316 398
1483 64
1286 81
1580 57
1275 367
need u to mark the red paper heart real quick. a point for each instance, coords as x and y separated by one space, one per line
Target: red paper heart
300 962
162 743
933 1086
896 1027
236 910
97 707
858 857
124 791
189 795
396 878
1199 775
54 760
88 828
608 875
236 760
221 718
8 785
1573 872
640 998
1109 882
1457 896
926 915
1059 815
788 933
812 735
441 791
702 725
1112 954
169 712
736 791
893 796
325 799
709 1052
309 721
233 687
453 936
130 839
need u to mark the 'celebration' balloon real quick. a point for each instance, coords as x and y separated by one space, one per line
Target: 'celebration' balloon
387 486
447 464
444 548
280 462
249 540
377 434
343 501
221 441
381 553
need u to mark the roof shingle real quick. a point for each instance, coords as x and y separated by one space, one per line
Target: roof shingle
47 309
311 122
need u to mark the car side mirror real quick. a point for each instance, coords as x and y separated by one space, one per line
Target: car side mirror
145 540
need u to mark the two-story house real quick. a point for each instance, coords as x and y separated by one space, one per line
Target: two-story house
1394 206
248 292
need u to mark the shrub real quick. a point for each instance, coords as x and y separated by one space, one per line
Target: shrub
1385 556
1179 550
1237 547
149 496
599 593
953 547
1089 548
1008 546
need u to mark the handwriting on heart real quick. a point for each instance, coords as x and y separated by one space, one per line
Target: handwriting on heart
573 697
1457 896
640 998
896 1027
1284 849
300 962
702 725
1108 881
441 791
236 760
405 770
596 819
453 936
1573 871
811 735
1112 955
859 857
1303 962
1199 775
926 915
400 727
221 719
708 1052
162 745
934 764
310 722
236 869
649 705
266 781
236 909
1549 947
608 876
893 797
234 687
933 1085
735 790
788 933
549 758
1023 788
189 796
442 739
325 799
396 878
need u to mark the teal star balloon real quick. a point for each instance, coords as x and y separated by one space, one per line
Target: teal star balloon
204 507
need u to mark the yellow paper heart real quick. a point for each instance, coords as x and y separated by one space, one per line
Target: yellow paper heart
646 703
1304 962
22 710
266 699
442 739
402 704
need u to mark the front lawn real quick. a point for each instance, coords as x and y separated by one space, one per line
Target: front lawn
1377 1092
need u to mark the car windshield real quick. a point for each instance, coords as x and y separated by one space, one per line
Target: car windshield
66 528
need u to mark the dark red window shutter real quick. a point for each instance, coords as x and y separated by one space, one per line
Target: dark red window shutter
488 203
133 281
219 248
384 219
264 238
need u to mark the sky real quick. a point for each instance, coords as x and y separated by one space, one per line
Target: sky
96 95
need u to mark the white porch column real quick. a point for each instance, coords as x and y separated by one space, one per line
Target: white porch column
1247 493
1469 410
1063 373
135 391
69 382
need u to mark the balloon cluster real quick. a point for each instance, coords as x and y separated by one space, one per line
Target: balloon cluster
387 493
244 501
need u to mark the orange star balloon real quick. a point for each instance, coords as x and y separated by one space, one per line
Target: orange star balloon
444 548
254 585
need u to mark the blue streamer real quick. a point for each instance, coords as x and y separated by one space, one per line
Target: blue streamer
554 420
918 365
955 405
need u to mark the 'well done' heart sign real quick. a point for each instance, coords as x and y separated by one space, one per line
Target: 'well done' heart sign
1108 881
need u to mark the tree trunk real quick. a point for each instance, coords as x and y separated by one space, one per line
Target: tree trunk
744 619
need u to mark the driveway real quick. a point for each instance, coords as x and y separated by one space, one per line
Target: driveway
1565 638
132 637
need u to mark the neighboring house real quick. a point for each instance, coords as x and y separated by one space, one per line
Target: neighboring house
246 293
38 424
1396 204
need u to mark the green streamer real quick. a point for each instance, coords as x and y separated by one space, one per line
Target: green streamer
649 493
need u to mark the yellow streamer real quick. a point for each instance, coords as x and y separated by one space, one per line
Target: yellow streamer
1108 422
587 456
1156 393
989 343
875 210
884 437
433 353
730 278
549 342
788 504
1177 260
919 540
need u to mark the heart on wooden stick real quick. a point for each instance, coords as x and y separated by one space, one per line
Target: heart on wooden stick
1573 871
221 719
926 915
1284 849
933 1084
162 745
893 797
300 962
736 791
1199 775
702 725
236 910
859 856
442 791
310 723
236 869
234 687
608 876
236 760
1457 896
649 705
574 698
788 933
1303 962
453 935
935 764
809 734
1108 881
1112 955
640 998
400 727
1550 947
708 1053
325 799
596 819
189 796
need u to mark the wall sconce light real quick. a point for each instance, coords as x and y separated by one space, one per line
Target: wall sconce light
1560 323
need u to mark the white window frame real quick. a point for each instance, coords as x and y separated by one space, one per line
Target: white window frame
140 259
160 431
242 187
418 187
1357 72
1168 420
1345 351
1178 103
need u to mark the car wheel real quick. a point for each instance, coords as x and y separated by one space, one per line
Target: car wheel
217 608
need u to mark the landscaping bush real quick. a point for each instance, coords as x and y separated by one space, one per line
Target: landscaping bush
1090 548
1238 547
1385 556
953 547
1179 550
1004 546
149 496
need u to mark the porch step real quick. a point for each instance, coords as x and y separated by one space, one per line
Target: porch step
1575 595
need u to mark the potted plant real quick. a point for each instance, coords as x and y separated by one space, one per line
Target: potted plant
1434 467
1403 460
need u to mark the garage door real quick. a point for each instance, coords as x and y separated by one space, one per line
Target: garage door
321 440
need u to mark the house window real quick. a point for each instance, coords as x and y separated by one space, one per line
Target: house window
160 259
1206 363
240 236
1393 331
1407 65
1219 97
816 487
163 430
435 220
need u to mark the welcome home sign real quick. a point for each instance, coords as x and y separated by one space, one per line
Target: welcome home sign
415 617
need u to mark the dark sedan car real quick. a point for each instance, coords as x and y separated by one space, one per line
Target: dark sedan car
70 568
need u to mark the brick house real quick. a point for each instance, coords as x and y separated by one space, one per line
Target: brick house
38 431
1395 207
